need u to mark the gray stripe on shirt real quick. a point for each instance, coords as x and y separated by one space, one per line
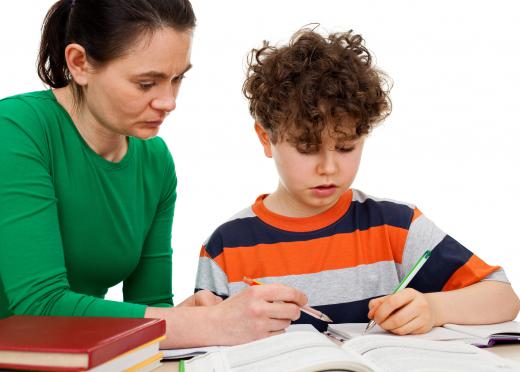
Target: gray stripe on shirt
361 197
210 276
423 235
338 286
499 276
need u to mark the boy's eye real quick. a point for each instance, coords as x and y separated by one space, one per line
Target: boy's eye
146 85
345 149
307 149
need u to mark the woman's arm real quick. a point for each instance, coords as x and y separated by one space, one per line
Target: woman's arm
254 313
32 262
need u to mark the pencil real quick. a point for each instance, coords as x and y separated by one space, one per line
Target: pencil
306 309
406 280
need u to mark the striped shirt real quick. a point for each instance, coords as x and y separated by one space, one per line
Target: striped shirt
359 249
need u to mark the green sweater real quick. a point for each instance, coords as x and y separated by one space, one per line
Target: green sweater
73 224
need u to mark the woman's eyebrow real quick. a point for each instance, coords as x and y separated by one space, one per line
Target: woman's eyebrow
160 75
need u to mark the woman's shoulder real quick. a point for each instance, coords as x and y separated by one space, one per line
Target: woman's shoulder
154 154
27 113
35 100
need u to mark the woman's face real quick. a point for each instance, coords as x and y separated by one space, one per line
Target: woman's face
132 94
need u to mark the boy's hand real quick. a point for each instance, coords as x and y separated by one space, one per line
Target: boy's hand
405 312
258 312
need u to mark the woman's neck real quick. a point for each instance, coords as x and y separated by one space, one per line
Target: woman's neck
104 142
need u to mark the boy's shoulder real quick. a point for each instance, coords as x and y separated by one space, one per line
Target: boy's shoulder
235 223
244 221
360 197
383 210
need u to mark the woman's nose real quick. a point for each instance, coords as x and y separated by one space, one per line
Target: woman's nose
165 103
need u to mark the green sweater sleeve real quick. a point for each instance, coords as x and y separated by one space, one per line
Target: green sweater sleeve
32 266
151 281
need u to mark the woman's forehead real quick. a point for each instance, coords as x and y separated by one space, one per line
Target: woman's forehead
162 46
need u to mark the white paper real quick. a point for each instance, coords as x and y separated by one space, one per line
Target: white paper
353 330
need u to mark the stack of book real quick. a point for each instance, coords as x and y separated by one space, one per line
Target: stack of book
45 343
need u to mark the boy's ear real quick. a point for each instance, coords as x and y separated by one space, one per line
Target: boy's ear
76 59
263 136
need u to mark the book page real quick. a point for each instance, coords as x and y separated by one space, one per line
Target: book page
399 354
288 352
184 353
486 330
353 330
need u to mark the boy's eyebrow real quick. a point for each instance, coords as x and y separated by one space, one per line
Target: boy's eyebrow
161 75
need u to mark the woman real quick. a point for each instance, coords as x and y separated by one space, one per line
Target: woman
87 190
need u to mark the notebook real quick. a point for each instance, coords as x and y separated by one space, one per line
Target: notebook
72 343
312 351
478 335
185 353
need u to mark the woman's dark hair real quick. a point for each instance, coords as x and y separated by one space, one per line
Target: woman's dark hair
315 83
105 28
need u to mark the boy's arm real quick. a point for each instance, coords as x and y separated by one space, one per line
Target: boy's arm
412 312
454 286
211 274
481 303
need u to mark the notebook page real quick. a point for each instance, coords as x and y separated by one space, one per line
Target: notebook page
172 354
289 352
403 355
352 330
486 330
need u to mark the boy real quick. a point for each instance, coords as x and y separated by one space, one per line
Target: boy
314 102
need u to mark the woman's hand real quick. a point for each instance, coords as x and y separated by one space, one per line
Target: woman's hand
257 312
254 313
201 298
405 312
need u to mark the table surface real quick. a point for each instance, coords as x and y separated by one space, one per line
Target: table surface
511 351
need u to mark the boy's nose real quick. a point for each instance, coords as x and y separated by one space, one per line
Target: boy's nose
327 164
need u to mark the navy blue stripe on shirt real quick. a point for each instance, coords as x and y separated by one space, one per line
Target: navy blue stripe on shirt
447 257
349 312
251 231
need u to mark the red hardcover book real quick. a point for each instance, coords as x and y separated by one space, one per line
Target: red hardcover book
71 343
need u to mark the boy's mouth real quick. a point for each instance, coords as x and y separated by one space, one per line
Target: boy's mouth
325 187
324 190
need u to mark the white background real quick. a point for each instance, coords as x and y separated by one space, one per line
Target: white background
450 146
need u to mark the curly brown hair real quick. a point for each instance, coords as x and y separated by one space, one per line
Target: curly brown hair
315 83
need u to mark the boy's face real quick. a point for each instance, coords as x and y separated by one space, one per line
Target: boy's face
311 183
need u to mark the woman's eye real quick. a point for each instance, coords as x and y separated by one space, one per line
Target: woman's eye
177 79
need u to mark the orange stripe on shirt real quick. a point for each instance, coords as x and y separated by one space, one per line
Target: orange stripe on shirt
219 260
416 213
304 257
473 271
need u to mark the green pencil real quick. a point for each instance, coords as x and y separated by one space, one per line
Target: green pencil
407 279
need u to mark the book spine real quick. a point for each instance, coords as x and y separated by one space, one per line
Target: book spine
126 343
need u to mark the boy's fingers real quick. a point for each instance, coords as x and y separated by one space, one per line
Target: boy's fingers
374 304
391 304
409 327
400 317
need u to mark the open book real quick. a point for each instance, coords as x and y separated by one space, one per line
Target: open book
312 351
185 353
478 335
